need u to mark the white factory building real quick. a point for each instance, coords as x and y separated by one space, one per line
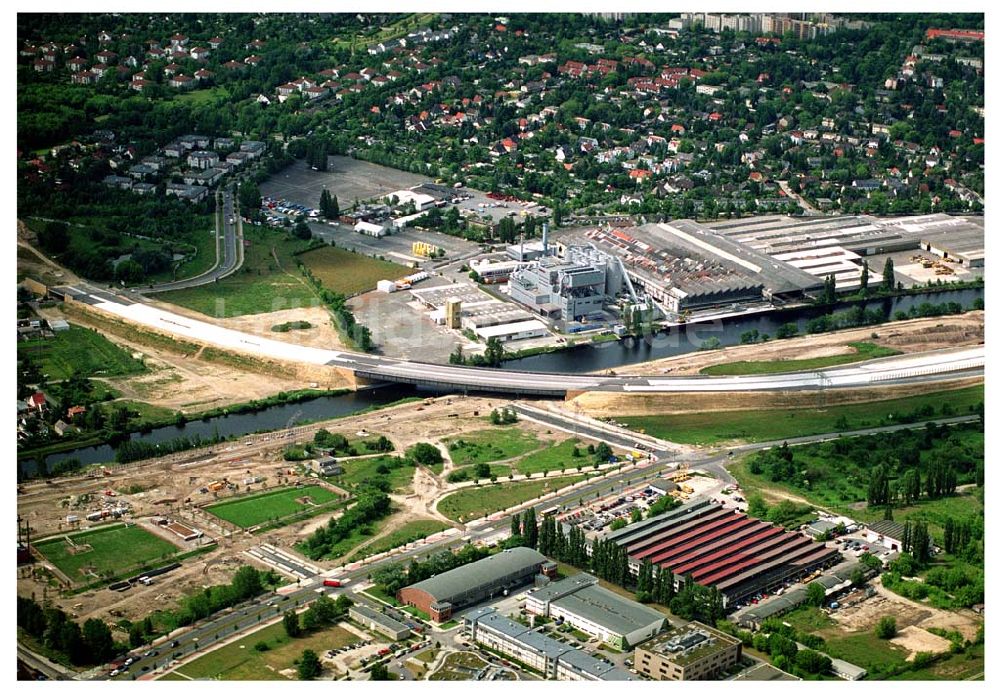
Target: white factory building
421 201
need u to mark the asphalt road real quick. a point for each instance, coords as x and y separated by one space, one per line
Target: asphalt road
906 368
231 251
263 609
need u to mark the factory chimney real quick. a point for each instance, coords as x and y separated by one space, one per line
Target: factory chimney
545 238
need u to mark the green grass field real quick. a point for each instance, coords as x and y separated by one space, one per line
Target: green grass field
862 351
241 661
414 530
262 285
960 666
255 509
476 502
456 666
864 649
845 488
81 351
357 470
487 445
200 96
203 259
773 425
350 273
112 549
556 457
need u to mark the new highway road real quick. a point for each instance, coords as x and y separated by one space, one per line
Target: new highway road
906 368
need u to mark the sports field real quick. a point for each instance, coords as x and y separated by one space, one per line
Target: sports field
255 509
349 273
104 551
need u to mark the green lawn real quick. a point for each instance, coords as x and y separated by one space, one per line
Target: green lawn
449 670
81 351
497 470
262 285
350 273
358 535
772 425
556 457
202 242
201 96
357 470
255 509
487 445
112 549
808 619
864 649
241 661
862 351
958 667
414 530
476 502
840 483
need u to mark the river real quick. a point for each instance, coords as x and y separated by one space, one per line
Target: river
582 359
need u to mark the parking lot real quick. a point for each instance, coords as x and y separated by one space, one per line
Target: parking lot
397 246
347 179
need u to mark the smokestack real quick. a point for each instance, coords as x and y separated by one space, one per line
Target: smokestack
545 238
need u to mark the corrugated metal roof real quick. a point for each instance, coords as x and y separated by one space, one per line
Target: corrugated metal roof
444 587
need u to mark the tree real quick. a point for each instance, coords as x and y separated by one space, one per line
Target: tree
249 196
290 620
247 582
54 237
864 276
530 528
515 525
888 276
423 453
379 672
309 665
493 356
886 628
602 452
815 594
812 661
97 640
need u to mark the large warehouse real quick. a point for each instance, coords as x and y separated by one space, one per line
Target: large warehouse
597 611
481 580
720 547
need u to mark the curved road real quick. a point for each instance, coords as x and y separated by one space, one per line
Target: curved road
228 253
906 368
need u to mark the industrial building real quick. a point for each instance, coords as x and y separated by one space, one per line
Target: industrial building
686 266
369 229
720 547
582 603
576 285
378 622
941 234
834 582
508 332
694 652
473 583
421 201
555 660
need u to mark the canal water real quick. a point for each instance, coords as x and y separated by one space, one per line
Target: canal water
689 338
274 417
585 358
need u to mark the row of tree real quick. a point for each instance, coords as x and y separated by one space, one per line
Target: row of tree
90 644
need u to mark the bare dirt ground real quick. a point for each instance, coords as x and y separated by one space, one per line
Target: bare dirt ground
321 335
921 335
917 640
34 264
912 620
189 383
172 481
608 404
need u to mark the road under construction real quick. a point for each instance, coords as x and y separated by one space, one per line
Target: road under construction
909 368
